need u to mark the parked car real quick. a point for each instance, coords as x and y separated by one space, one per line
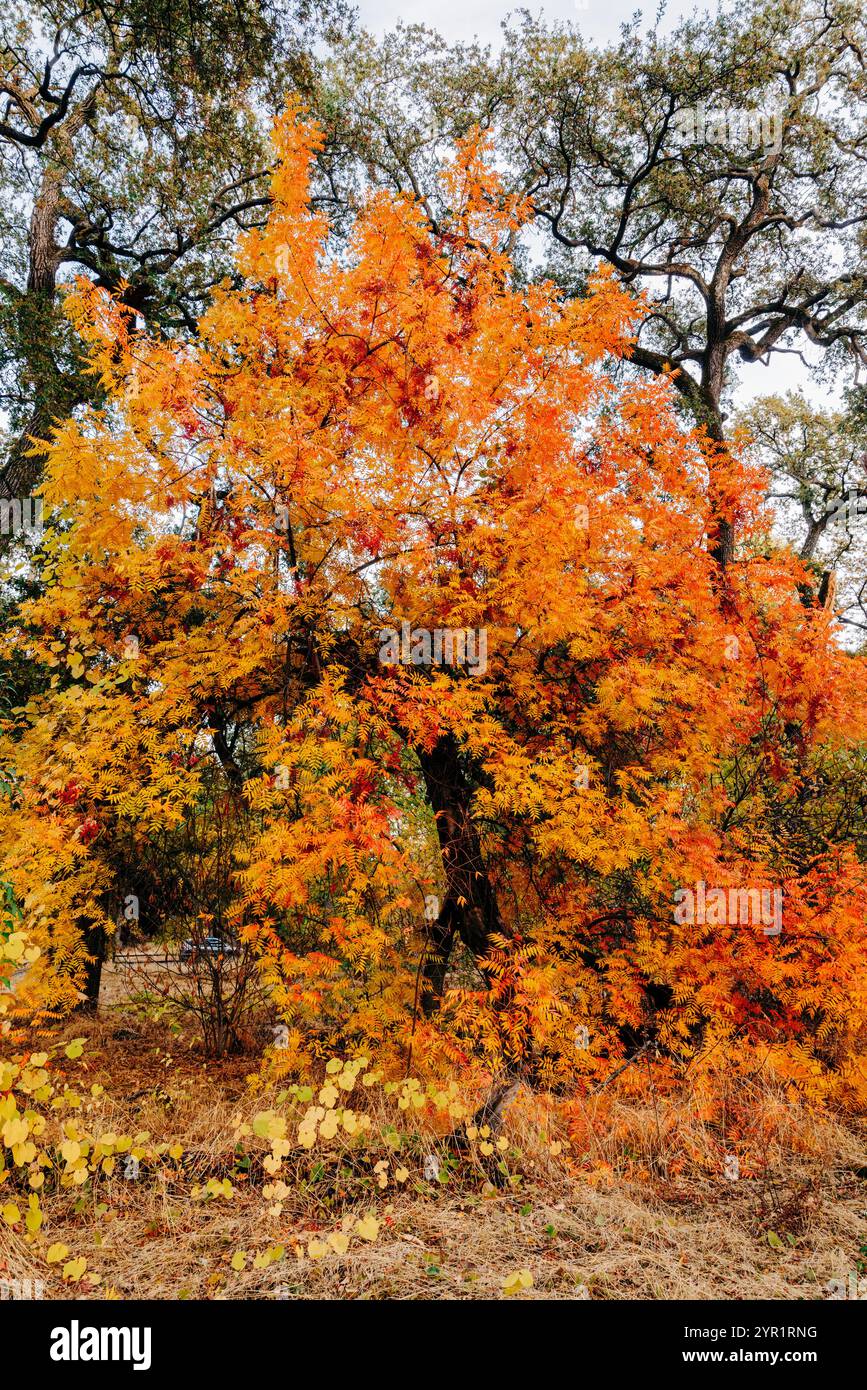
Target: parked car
212 946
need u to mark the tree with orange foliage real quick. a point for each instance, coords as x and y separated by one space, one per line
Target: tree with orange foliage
391 562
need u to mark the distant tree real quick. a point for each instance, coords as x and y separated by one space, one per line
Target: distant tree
133 146
818 463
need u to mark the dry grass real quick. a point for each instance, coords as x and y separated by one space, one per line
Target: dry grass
628 1210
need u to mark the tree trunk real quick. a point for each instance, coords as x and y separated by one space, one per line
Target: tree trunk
724 546
470 906
51 391
94 942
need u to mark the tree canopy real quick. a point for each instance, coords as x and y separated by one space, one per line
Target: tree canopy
389 552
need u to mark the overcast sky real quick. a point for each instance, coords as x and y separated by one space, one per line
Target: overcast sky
599 20
468 19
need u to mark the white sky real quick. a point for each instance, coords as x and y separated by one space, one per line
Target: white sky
600 21
468 19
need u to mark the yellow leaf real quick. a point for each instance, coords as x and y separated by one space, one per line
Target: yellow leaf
328 1128
269 1125
516 1282
15 1131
